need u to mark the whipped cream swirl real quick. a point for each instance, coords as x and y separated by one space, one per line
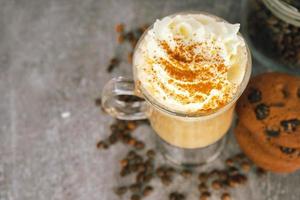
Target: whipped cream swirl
191 63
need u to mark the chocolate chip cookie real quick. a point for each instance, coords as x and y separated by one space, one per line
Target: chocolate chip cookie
260 156
270 109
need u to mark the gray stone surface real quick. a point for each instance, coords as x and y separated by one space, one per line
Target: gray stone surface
53 56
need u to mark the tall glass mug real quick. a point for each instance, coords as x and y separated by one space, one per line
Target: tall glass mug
183 138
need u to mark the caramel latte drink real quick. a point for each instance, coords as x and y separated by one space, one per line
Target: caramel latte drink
190 68
191 64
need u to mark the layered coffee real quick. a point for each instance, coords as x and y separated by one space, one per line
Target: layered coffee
191 65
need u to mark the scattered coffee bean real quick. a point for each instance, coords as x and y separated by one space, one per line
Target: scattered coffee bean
102 145
124 162
176 196
260 171
203 177
135 188
135 197
245 165
98 102
233 170
205 195
151 153
114 62
139 145
202 187
236 180
131 126
262 111
119 28
216 185
254 96
225 196
186 173
229 162
166 180
147 190
121 190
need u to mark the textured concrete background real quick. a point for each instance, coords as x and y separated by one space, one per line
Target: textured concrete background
53 55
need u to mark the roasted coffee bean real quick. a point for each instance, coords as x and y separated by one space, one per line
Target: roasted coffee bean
260 171
121 190
148 178
151 153
254 96
131 126
205 195
290 125
272 132
186 173
203 177
245 165
125 171
114 62
135 188
166 180
139 145
176 196
225 196
98 102
214 173
119 28
141 167
202 187
131 155
160 172
147 190
262 111
216 184
229 162
236 180
135 197
124 162
287 150
102 145
223 175
113 138
140 177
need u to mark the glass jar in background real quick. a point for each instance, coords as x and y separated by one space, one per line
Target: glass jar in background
272 30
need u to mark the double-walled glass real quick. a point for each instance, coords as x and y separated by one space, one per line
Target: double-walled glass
185 139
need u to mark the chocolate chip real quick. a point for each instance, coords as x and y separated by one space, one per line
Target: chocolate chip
285 92
262 111
290 125
272 132
254 95
287 150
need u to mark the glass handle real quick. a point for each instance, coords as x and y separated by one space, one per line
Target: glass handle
120 101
